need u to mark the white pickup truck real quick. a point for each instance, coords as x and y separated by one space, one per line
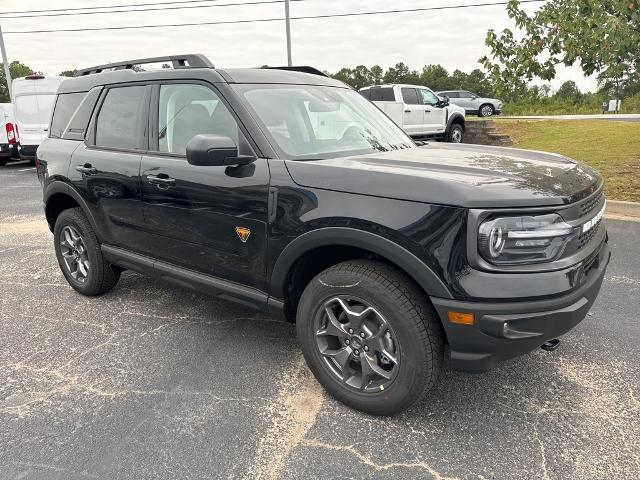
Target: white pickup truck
418 111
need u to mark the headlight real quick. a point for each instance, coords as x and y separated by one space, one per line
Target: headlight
523 239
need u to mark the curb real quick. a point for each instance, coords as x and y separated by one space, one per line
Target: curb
623 209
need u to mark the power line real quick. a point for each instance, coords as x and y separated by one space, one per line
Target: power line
108 6
279 19
177 7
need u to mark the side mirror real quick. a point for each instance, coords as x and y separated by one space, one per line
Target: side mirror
443 102
208 150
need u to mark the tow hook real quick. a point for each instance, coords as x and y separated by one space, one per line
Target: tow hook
550 345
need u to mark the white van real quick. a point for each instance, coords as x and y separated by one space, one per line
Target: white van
8 140
33 99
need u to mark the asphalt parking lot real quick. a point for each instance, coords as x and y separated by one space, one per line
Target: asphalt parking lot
150 381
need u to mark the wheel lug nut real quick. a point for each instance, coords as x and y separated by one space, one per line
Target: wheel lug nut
366 349
351 330
357 352
347 342
362 335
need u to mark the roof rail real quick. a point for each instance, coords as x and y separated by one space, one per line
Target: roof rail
303 69
177 61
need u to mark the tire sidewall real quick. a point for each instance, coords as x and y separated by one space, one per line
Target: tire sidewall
411 377
70 218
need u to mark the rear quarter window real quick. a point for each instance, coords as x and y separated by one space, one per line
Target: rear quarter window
65 107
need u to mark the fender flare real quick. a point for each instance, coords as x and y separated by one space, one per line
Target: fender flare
60 187
328 236
453 117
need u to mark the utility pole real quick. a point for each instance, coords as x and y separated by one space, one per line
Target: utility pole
7 72
288 24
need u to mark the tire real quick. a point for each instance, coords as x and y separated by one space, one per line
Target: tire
486 110
455 134
412 336
4 161
100 276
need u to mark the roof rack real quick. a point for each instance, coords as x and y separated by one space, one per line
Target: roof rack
303 69
177 61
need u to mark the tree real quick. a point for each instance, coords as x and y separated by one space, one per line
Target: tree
17 70
435 77
68 73
601 36
401 74
569 91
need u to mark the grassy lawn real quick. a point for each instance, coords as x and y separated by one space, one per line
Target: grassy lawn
613 148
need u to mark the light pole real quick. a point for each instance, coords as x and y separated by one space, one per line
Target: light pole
7 72
288 25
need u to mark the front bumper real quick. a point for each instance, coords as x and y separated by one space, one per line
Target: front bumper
507 330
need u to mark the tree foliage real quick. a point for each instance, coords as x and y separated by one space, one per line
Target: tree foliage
17 70
601 36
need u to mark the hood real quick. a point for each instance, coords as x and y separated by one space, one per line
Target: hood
470 176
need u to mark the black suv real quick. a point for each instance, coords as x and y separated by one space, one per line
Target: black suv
286 190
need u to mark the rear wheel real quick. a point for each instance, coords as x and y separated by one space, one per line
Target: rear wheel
4 161
370 336
79 255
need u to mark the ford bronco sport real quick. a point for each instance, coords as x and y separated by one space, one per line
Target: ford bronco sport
283 189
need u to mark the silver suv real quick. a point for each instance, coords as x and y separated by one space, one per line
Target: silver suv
472 103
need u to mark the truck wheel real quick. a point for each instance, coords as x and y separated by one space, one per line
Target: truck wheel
79 255
3 161
455 133
370 336
486 110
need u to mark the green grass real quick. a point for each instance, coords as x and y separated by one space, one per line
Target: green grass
612 148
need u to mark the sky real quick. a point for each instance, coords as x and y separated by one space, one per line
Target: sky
453 38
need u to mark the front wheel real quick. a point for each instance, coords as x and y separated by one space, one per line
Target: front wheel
455 133
370 336
486 110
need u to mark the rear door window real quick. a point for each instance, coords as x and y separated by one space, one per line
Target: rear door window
27 110
66 106
410 96
121 121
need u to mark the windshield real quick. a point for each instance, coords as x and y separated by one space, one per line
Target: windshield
312 122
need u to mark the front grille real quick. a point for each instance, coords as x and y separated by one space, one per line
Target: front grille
589 205
586 237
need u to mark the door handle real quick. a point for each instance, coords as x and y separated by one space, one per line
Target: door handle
407 111
87 169
428 111
161 180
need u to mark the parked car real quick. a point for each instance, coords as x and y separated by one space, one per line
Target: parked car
33 98
474 104
8 142
418 111
286 190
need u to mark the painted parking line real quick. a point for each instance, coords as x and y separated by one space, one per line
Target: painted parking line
30 169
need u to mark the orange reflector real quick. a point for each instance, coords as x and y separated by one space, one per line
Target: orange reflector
461 318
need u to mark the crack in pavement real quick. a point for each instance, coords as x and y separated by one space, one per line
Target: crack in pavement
368 461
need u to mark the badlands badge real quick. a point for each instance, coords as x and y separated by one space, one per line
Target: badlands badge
243 233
